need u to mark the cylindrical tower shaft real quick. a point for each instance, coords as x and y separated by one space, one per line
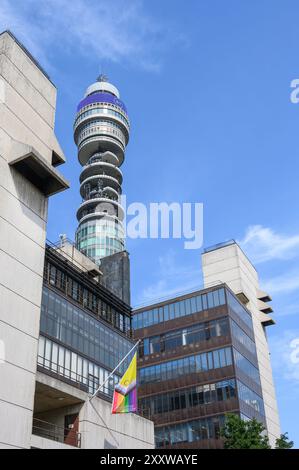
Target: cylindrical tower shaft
101 133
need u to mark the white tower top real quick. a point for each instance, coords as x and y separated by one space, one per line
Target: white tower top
102 85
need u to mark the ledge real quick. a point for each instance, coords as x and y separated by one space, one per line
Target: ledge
266 320
263 296
57 154
39 172
264 307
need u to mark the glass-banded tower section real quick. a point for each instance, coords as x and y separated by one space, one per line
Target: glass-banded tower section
101 133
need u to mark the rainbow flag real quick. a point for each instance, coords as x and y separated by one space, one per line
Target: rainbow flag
125 393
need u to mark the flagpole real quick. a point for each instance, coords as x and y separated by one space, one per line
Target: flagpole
106 380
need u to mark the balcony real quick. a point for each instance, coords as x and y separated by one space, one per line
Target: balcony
52 432
101 169
92 181
95 193
105 205
100 143
107 157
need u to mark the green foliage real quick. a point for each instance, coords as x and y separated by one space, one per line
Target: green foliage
240 434
283 442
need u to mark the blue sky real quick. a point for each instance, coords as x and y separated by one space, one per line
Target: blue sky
207 86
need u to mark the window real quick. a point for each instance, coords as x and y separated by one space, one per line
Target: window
252 399
195 334
60 280
177 309
193 305
216 359
166 313
246 367
191 431
204 362
241 337
161 316
155 344
238 309
184 307
68 364
204 302
188 365
71 325
210 359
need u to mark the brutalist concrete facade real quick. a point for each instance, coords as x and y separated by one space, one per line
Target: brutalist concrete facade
29 153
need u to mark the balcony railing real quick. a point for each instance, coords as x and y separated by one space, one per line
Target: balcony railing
88 383
56 433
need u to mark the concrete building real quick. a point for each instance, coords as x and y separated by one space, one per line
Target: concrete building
228 263
61 331
205 353
29 153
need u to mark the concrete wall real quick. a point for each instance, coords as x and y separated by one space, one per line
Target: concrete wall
27 110
38 442
98 427
116 275
102 430
78 259
230 265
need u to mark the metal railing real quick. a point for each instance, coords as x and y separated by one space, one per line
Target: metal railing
56 433
87 383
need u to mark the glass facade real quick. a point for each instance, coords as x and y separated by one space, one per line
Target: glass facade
239 310
95 104
191 397
188 365
190 335
197 430
241 337
89 300
101 126
74 367
180 308
251 398
100 237
246 367
105 110
232 390
72 326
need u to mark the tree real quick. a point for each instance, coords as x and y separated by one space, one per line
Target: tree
240 434
283 442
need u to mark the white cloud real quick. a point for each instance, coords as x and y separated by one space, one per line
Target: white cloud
285 354
263 244
118 30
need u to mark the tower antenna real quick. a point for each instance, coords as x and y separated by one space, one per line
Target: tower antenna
102 76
